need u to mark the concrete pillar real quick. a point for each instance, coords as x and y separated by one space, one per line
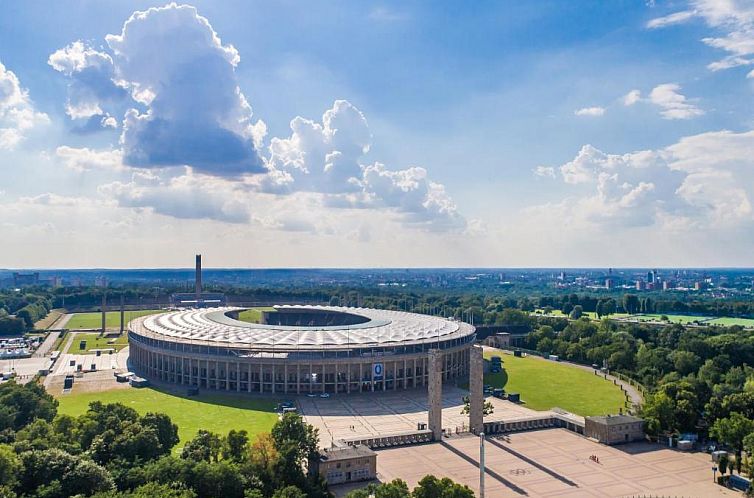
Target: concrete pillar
104 311
476 390
434 394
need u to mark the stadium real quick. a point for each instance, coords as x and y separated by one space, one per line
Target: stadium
297 349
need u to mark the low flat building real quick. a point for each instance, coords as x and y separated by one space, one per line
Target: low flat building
614 429
346 464
500 340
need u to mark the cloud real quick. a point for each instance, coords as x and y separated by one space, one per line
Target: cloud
671 19
320 157
326 157
701 182
631 98
17 113
544 171
83 159
674 105
188 196
186 106
92 82
734 19
187 110
590 111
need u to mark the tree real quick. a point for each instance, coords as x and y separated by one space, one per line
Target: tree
21 404
432 487
732 431
167 431
292 430
487 407
630 303
289 492
10 467
204 447
236 446
60 474
576 312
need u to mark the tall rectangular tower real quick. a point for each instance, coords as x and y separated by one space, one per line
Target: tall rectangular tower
198 278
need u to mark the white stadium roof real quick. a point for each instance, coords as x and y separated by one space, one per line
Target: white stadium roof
384 328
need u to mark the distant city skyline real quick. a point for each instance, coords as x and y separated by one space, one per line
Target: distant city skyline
377 135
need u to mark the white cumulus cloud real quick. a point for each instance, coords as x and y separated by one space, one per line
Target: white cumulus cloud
590 111
188 196
17 113
631 98
186 106
91 86
672 103
326 157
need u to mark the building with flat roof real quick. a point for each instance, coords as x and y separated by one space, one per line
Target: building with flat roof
345 464
614 429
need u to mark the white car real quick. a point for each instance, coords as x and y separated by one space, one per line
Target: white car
311 395
324 395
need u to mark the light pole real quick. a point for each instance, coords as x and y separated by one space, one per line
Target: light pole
481 465
714 473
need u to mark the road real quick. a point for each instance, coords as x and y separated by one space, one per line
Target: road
49 341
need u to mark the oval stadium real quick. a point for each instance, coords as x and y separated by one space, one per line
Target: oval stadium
297 349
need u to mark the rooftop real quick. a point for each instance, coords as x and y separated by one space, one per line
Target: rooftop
380 328
615 419
345 453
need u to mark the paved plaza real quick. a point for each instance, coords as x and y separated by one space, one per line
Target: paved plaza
555 463
382 413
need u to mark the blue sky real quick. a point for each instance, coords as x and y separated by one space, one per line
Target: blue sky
492 134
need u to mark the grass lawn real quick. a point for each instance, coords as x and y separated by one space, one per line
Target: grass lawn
253 315
112 319
682 319
215 412
545 384
729 322
95 341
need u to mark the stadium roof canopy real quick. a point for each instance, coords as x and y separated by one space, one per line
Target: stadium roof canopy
381 328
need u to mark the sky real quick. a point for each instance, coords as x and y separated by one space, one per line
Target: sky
376 134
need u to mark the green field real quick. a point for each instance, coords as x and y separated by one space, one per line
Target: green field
112 319
95 341
545 384
729 322
214 412
253 315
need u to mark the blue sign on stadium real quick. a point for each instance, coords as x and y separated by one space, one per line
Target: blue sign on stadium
378 369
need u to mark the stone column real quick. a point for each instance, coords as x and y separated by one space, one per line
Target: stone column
434 394
476 390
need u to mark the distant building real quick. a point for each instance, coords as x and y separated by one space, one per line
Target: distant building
21 279
614 429
346 464
100 281
609 284
56 281
640 285
500 340
698 286
666 285
651 276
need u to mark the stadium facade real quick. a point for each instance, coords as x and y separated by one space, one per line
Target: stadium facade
298 349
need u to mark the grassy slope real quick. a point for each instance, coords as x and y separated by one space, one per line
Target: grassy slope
112 320
214 412
545 384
